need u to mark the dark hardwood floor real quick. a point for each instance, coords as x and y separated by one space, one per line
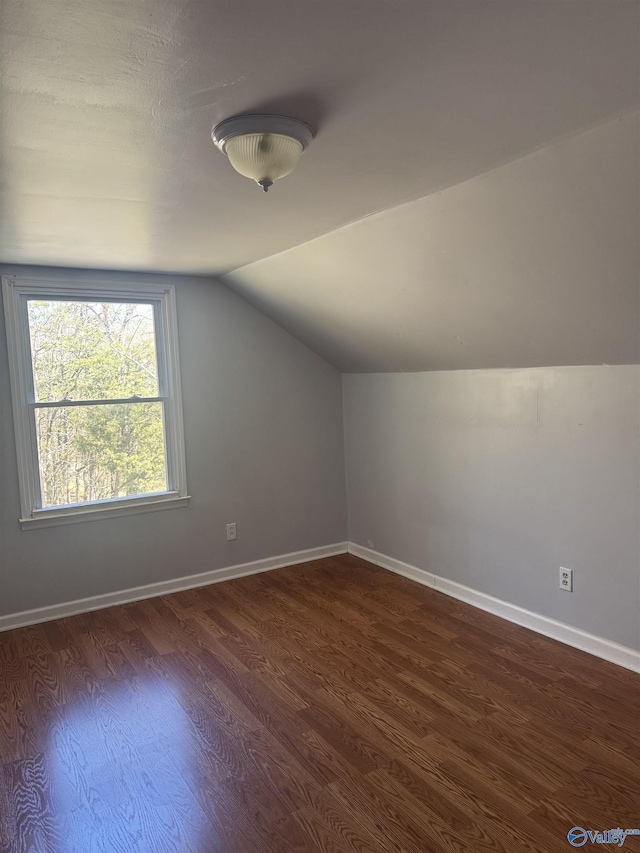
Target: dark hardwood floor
331 706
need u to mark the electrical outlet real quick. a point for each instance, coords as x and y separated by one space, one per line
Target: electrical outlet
231 532
566 579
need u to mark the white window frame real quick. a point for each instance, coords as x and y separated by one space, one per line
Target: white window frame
17 289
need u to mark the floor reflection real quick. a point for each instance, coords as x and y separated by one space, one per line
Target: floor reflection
117 762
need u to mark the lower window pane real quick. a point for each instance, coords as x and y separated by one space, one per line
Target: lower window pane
93 453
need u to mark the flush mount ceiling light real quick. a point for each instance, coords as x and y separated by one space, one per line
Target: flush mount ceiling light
262 147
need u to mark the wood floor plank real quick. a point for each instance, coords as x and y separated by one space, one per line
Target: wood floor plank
33 822
365 797
425 787
438 833
359 835
331 706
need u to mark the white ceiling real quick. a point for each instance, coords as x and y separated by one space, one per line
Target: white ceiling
107 108
533 264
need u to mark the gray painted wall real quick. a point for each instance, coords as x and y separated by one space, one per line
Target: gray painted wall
264 445
495 478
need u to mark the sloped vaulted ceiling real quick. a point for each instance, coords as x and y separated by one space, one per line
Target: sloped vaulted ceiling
489 148
535 263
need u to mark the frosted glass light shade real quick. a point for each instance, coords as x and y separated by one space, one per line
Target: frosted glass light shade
262 147
265 157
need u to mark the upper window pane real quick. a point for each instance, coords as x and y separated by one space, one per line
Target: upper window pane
85 350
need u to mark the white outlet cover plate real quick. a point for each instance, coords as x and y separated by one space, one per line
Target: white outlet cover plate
566 579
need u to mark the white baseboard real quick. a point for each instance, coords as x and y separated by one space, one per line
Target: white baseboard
598 646
125 596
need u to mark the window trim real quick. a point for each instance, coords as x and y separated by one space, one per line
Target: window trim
16 290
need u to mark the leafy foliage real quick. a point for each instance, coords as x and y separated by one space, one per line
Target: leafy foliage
96 351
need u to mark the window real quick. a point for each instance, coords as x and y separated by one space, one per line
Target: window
95 383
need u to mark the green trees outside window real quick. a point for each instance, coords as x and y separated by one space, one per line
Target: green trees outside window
96 351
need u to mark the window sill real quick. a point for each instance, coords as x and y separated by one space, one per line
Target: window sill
54 518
